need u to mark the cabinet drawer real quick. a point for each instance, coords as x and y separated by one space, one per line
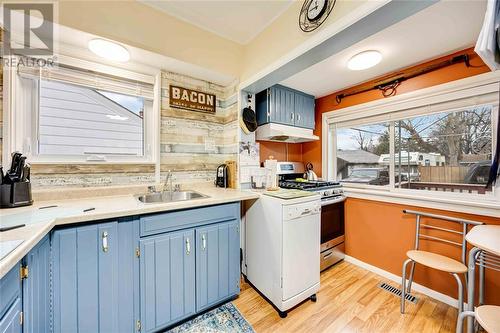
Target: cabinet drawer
10 289
166 222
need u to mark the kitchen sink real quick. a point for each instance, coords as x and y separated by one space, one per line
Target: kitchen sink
159 197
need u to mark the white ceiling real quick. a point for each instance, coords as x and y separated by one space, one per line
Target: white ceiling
440 29
236 20
73 43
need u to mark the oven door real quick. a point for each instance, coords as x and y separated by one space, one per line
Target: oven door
332 223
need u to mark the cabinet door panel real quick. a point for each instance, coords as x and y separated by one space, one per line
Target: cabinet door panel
167 279
108 277
217 263
88 283
10 322
65 281
86 278
281 105
36 289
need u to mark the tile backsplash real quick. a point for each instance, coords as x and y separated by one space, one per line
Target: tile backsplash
192 145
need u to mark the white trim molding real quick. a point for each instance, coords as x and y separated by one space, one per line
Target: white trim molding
397 279
479 90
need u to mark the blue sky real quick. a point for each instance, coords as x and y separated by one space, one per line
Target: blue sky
133 103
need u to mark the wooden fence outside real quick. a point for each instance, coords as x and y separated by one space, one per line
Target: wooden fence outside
443 174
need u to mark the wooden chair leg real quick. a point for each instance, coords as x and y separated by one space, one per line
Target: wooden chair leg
403 285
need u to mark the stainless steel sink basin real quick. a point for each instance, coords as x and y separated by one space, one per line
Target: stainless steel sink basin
159 197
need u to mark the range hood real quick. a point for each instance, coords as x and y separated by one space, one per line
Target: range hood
284 133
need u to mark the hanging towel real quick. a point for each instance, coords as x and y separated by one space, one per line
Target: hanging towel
488 48
494 169
487 42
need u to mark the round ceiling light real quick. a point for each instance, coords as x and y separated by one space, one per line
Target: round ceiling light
364 60
109 50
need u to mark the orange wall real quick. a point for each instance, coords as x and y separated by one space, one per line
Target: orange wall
279 151
379 233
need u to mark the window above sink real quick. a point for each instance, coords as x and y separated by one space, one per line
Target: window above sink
70 114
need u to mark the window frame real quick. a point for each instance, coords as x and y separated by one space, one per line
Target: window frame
22 116
381 111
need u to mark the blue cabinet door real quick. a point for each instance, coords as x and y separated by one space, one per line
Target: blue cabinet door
281 105
304 110
96 277
167 279
36 289
10 322
217 263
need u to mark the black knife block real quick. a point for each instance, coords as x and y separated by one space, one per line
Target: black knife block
15 195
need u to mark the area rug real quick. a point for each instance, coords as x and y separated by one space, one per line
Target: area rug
224 319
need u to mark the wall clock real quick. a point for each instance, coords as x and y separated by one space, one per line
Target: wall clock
314 13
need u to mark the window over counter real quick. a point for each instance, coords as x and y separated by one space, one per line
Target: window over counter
76 115
434 143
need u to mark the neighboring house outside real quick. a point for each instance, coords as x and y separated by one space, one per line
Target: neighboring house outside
351 159
76 120
410 162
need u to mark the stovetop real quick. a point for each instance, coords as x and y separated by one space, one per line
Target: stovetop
308 185
326 189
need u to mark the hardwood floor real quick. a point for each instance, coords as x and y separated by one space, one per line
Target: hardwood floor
349 301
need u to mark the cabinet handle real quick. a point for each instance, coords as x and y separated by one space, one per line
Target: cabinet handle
298 117
188 246
292 116
203 242
105 241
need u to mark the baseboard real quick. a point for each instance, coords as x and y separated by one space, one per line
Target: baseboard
395 278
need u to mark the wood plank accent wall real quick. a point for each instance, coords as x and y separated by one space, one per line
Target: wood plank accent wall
192 145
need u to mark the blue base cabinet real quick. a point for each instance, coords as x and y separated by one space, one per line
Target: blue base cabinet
135 274
189 269
167 279
217 263
88 272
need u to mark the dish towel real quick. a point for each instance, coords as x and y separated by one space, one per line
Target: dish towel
488 48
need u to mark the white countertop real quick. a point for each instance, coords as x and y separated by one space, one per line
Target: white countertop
39 222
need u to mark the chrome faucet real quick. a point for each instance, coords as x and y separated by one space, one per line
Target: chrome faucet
167 186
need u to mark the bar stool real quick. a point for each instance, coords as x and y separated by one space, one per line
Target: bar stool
434 260
485 240
488 316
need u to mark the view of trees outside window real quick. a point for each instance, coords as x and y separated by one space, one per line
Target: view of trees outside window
448 151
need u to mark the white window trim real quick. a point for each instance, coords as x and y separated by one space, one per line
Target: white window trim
17 136
466 203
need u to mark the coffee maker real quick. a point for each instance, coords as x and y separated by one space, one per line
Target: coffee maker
222 176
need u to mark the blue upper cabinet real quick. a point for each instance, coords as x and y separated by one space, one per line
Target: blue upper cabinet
90 275
36 289
282 105
167 286
217 263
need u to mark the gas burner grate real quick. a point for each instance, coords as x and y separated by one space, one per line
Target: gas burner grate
397 292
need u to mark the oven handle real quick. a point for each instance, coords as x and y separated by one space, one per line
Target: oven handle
332 201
